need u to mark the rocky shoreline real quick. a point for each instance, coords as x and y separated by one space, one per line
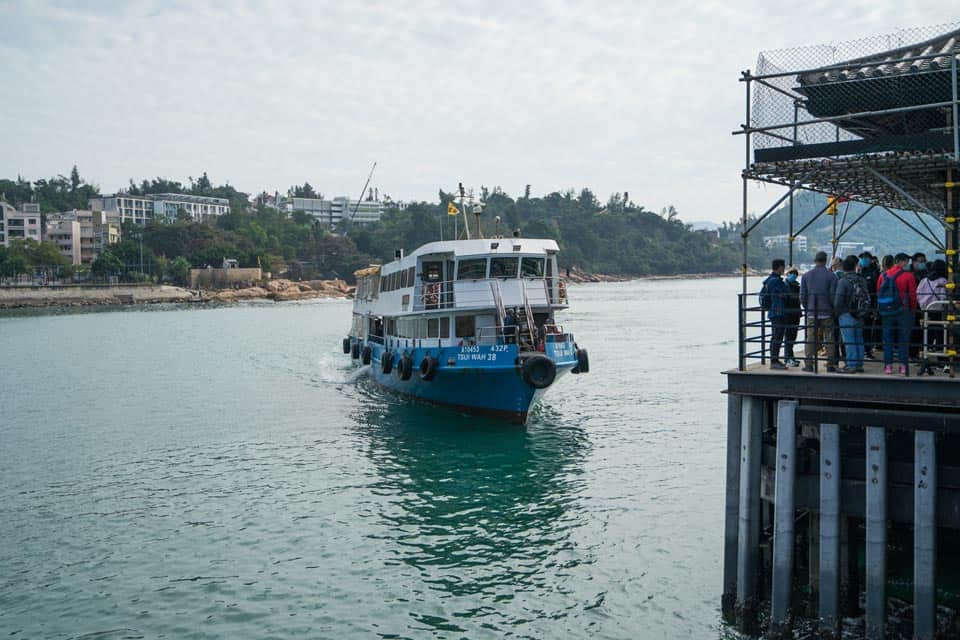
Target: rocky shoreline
113 295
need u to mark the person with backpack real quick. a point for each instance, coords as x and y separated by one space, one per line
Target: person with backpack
773 300
791 319
817 289
852 303
896 303
871 324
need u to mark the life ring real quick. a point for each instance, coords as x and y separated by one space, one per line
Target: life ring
346 345
428 368
583 362
355 351
366 354
386 362
405 367
539 371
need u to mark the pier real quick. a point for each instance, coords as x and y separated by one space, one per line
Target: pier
843 491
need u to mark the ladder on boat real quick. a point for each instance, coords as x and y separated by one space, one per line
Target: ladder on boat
525 316
498 302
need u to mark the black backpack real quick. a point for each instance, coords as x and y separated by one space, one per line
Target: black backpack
860 305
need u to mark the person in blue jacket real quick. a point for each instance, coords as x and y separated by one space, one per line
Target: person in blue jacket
773 298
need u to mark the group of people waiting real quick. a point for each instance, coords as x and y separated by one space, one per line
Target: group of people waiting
854 306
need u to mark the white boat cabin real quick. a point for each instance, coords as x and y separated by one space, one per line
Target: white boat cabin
462 292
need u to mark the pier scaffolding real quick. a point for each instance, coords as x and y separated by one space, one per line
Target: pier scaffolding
843 491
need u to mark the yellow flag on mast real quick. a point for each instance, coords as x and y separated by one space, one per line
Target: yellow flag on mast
452 210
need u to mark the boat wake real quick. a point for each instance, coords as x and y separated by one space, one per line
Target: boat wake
357 374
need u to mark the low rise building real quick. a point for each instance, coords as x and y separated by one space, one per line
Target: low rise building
783 241
19 224
331 211
82 234
160 207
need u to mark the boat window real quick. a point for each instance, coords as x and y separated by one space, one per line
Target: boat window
403 278
411 276
531 267
503 267
433 328
472 270
444 327
465 327
432 271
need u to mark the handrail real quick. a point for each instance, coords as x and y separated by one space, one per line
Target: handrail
932 342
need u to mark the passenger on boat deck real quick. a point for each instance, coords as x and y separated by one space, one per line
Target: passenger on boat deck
510 326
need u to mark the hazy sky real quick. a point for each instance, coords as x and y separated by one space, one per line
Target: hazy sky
637 96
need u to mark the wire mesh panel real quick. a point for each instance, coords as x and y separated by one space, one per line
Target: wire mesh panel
872 89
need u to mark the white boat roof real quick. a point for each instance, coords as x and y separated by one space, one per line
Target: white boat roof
487 246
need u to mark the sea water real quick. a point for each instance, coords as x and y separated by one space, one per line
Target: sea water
225 472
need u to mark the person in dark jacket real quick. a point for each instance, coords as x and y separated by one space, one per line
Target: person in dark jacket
851 325
871 324
791 318
817 289
775 291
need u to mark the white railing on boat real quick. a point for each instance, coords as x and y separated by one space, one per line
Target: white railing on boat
470 294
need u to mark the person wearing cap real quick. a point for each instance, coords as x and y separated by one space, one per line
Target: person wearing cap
817 291
898 325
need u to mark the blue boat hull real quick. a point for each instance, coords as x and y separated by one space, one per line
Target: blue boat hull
484 380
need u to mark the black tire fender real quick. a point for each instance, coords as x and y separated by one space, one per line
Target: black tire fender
428 368
405 367
583 362
386 362
366 354
346 345
539 371
355 351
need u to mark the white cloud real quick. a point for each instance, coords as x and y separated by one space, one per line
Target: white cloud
613 96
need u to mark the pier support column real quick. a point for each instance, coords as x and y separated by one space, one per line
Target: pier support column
876 544
924 536
732 512
784 516
748 530
829 527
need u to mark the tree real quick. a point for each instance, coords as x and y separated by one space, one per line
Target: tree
179 270
106 263
74 179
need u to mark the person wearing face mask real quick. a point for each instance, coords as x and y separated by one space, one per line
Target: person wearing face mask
791 318
870 271
918 266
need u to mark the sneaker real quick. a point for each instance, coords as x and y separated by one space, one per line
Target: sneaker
793 362
777 365
831 369
903 370
847 370
808 368
888 369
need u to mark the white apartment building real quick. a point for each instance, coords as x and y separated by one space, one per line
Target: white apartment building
331 212
81 234
775 242
161 207
19 225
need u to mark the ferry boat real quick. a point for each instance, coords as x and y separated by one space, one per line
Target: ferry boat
467 323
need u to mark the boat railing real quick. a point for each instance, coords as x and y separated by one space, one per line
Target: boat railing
481 293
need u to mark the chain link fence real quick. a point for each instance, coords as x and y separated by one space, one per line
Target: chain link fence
902 81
